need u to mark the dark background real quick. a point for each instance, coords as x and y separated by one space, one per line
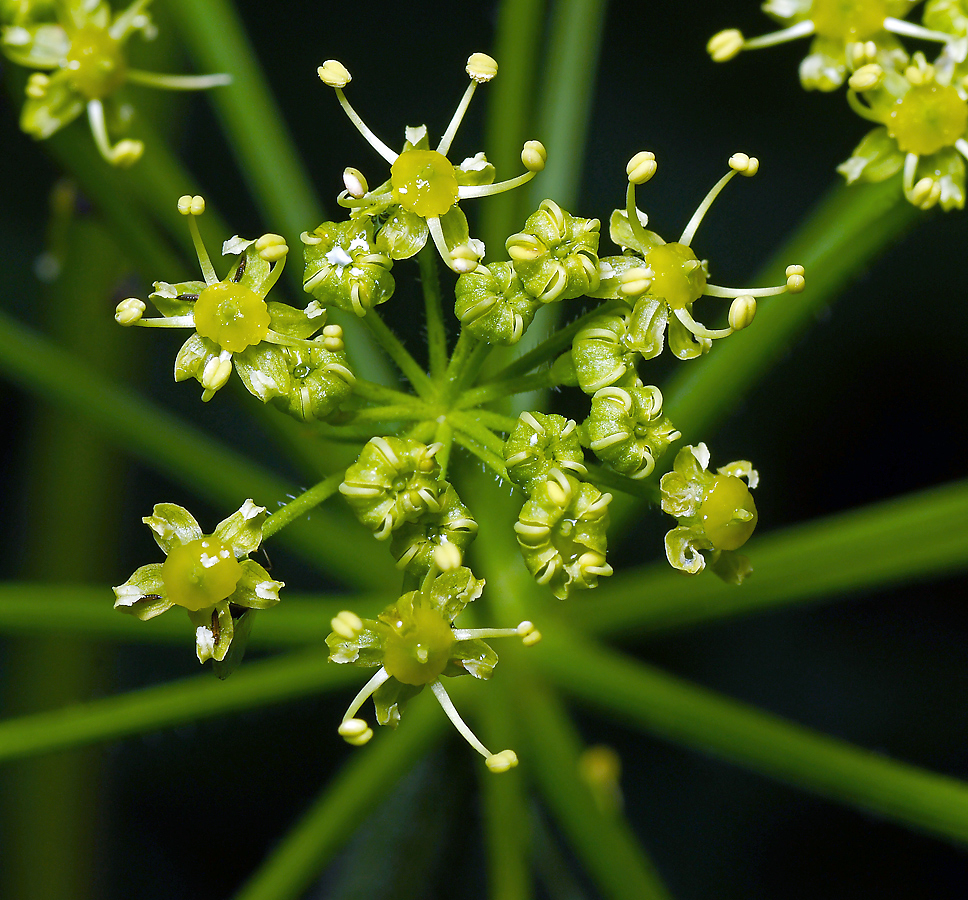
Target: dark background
867 405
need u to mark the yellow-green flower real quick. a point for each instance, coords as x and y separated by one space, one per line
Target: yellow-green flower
421 197
83 62
208 575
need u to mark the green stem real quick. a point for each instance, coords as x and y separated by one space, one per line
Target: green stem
434 311
466 348
494 462
396 413
919 536
444 434
399 354
188 700
605 477
499 390
343 805
495 421
601 838
175 448
476 431
305 502
687 714
370 390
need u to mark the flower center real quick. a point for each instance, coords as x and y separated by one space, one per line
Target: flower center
678 276
231 315
199 574
724 499
424 182
848 20
95 63
418 647
927 118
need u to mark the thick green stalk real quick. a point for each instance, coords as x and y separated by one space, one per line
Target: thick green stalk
920 536
343 805
305 502
433 311
200 697
688 714
175 448
600 837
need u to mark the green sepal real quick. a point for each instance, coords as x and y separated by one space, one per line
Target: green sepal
143 594
35 46
193 357
256 589
683 343
243 529
172 526
60 105
296 323
255 270
622 234
364 649
452 591
824 67
471 657
389 698
242 625
556 256
602 356
413 543
165 297
402 235
685 486
264 370
475 170
538 443
454 225
647 326
214 630
492 304
355 286
683 546
875 158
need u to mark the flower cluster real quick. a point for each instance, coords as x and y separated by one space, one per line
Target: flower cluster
80 49
920 107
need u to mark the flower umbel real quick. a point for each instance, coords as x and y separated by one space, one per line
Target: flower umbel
209 575
421 197
414 643
84 52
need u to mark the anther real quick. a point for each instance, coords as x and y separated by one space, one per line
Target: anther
348 625
481 67
745 165
635 282
191 206
741 312
866 78
354 182
355 732
129 311
725 45
641 167
447 557
216 373
534 156
272 247
925 193
333 73
37 85
501 762
795 281
333 338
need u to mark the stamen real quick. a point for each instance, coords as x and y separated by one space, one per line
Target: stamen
167 322
191 207
496 762
448 136
467 191
739 162
698 329
178 82
362 128
910 29
961 145
632 211
366 691
126 22
125 152
714 290
860 108
437 233
801 29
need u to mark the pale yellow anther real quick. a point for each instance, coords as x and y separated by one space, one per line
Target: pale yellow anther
355 732
925 193
534 156
348 625
641 167
127 153
557 494
635 282
741 312
529 634
866 78
354 182
464 258
216 373
333 338
37 85
922 73
272 247
725 45
481 67
334 73
191 206
795 281
502 762
129 311
860 53
447 557
745 165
